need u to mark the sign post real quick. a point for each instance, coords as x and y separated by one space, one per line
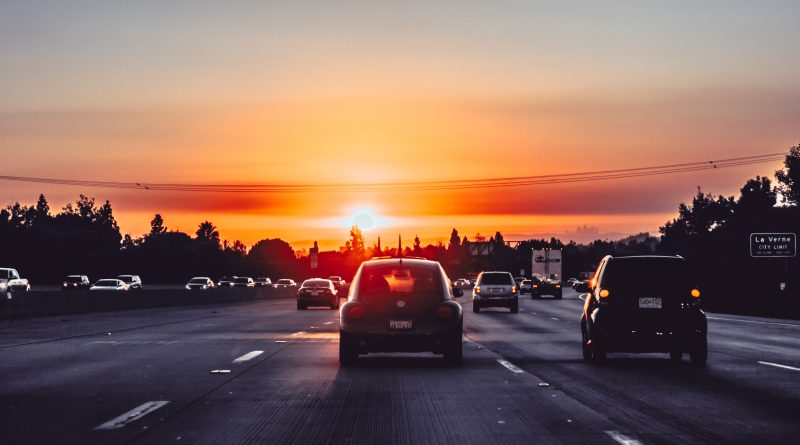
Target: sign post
775 245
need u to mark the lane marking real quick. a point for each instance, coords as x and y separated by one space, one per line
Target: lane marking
622 439
754 321
554 318
778 365
132 415
510 366
328 322
280 341
249 356
299 333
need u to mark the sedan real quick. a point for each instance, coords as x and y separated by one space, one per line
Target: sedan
110 284
317 292
200 283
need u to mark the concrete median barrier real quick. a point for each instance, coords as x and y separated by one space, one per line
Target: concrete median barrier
44 303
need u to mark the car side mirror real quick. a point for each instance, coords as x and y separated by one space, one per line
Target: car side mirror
458 292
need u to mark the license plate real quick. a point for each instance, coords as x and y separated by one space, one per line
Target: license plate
650 303
495 290
401 325
315 293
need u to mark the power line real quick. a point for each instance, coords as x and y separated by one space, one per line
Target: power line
485 183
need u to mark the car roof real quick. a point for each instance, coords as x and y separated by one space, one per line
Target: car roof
398 261
647 257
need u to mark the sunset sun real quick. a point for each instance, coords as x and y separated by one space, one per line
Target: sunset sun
364 219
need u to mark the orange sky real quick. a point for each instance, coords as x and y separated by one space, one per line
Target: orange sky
365 93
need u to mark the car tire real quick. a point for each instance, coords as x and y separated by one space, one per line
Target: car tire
514 307
558 296
586 351
300 306
699 355
348 356
676 356
476 307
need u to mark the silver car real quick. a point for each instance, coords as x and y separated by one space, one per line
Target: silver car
495 289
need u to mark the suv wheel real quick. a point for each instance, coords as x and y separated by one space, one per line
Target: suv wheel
598 352
300 306
515 306
586 350
476 307
348 356
558 295
699 355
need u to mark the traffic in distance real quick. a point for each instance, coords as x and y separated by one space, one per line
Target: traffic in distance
634 304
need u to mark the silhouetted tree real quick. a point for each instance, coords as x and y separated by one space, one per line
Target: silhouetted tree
356 242
208 232
157 225
757 196
789 177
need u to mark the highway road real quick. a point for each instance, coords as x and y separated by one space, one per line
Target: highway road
263 372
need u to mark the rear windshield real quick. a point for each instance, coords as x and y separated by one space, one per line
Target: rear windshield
497 278
198 281
284 281
335 278
413 283
126 278
638 273
317 283
107 283
241 280
74 279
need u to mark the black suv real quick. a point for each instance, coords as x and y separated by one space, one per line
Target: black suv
400 305
643 304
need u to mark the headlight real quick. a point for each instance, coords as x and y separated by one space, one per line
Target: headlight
65 284
188 287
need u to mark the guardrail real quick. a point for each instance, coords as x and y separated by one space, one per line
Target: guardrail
45 303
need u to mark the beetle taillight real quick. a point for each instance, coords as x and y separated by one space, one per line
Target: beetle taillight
445 312
356 311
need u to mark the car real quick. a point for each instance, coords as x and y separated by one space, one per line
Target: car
317 292
571 282
338 282
243 282
110 284
133 281
581 286
263 282
525 287
200 283
495 289
401 305
285 283
641 304
76 282
226 281
10 281
462 283
546 286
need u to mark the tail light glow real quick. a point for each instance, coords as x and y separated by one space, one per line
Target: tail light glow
445 312
604 293
695 293
356 312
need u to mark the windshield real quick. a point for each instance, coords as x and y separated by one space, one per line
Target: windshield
126 278
317 283
74 279
198 281
241 280
107 283
284 281
496 279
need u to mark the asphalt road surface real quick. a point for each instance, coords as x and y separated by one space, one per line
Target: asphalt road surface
263 372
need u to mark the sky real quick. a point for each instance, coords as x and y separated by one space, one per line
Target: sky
322 92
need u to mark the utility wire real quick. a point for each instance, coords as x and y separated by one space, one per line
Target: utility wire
486 183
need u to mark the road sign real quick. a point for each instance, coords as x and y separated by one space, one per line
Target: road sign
773 245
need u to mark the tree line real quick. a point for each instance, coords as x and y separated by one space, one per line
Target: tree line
711 232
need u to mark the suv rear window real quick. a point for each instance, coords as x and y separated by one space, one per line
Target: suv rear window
317 283
497 278
643 273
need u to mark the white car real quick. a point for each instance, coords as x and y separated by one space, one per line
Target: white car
111 284
200 283
525 287
11 281
284 283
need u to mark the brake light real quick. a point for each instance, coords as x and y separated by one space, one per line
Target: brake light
513 289
604 293
445 312
695 293
356 312
477 289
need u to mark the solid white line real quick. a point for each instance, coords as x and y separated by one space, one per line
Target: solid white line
778 365
299 333
132 415
328 322
510 366
754 321
249 356
554 318
622 439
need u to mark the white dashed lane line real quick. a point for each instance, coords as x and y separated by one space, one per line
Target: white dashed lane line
249 356
132 415
778 365
622 439
510 366
755 322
